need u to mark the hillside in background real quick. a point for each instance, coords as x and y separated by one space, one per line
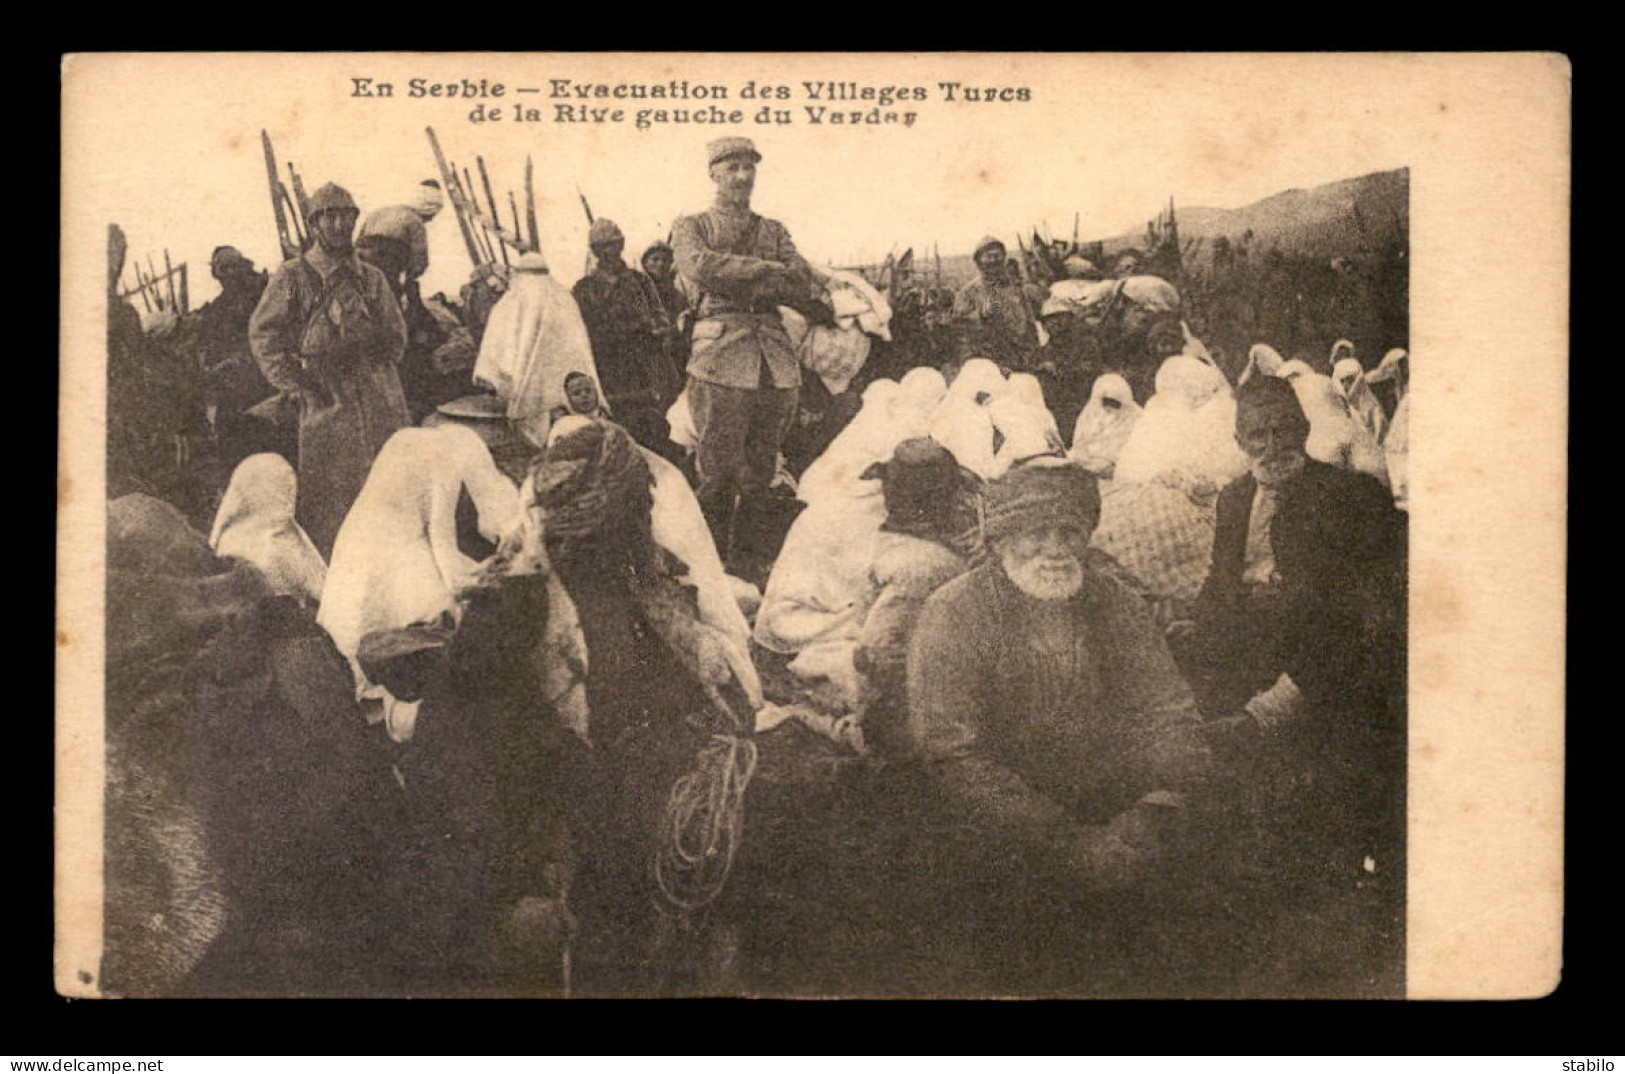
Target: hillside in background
1348 217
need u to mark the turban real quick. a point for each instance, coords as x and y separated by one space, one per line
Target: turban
428 199
1030 497
594 480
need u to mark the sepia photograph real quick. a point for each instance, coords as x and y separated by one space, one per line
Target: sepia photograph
808 526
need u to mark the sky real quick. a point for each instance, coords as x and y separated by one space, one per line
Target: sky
188 172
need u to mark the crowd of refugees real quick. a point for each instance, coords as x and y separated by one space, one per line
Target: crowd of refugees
452 646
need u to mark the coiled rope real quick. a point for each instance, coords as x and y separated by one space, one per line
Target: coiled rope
704 821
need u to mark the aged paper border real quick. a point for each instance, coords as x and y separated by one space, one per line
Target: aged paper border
1487 141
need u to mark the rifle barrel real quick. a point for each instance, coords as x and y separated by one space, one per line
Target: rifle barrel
169 274
530 209
449 180
277 197
491 200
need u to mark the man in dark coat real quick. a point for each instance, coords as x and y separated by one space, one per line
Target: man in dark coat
232 381
1300 628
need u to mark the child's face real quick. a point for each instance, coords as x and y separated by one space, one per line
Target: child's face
583 395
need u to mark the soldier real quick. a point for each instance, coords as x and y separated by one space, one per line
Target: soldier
329 332
744 380
999 307
627 325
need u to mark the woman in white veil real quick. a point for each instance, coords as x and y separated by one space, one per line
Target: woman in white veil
396 562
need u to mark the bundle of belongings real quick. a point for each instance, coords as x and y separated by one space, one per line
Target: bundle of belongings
836 352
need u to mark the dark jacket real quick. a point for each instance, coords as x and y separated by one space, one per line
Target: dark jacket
1339 542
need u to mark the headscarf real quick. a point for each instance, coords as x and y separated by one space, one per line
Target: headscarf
593 482
1026 429
961 422
534 337
1262 359
428 199
1104 425
1158 515
256 524
919 393
1185 438
1334 436
396 562
1396 453
930 496
1348 377
868 438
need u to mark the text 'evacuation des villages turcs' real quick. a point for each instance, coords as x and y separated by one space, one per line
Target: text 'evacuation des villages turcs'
679 101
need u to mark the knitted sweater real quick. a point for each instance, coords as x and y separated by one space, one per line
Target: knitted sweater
1026 740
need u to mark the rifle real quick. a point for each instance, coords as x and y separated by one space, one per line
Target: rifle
152 282
279 194
496 217
471 206
169 274
584 206
530 210
448 179
303 203
518 230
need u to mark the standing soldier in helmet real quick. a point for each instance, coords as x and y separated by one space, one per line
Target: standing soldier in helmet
329 332
744 379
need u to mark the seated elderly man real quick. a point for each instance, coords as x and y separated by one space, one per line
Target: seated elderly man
1056 729
1300 628
1301 622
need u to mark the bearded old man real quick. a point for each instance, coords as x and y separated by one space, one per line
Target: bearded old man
1300 629
329 332
1053 726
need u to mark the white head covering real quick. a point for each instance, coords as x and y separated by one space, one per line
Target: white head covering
1348 377
961 422
1395 367
1262 359
1186 435
1396 453
1334 436
1104 425
918 394
256 523
396 560
868 438
534 339
1027 429
427 200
